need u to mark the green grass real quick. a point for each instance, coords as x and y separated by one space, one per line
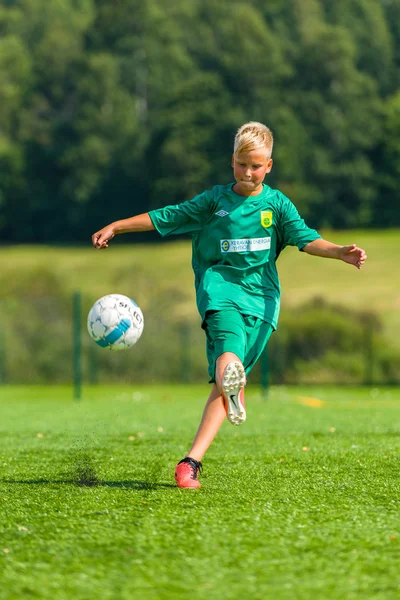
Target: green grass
301 502
160 275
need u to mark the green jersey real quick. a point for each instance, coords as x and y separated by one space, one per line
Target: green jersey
236 241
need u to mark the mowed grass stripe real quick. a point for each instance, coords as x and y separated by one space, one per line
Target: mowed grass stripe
296 503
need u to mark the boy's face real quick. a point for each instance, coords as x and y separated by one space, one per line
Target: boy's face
249 170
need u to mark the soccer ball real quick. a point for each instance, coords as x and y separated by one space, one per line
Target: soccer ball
115 322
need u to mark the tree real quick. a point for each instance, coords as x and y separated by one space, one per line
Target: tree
112 108
387 167
15 75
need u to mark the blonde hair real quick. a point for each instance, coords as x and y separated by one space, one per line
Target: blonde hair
253 136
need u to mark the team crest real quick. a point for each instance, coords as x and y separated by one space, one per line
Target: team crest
266 218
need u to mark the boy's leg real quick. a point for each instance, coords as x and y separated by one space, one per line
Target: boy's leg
217 405
213 416
230 376
214 412
220 367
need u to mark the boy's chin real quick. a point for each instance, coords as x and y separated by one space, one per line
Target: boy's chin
247 185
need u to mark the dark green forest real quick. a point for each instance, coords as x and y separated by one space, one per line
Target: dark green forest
110 108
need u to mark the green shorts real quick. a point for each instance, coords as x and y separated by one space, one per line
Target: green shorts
230 331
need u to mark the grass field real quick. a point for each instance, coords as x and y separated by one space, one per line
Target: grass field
300 502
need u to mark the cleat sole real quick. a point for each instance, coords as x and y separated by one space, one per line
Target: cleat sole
233 382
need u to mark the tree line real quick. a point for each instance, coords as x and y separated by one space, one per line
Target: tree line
113 108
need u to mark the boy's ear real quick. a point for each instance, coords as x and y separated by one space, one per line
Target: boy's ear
233 160
269 165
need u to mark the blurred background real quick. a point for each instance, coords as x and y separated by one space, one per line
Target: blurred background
113 108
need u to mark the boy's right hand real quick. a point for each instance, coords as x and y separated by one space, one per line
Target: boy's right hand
101 238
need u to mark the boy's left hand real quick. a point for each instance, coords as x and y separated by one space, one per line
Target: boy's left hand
353 255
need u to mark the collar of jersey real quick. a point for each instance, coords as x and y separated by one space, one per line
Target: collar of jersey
233 194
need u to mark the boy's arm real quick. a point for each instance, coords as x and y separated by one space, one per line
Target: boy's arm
141 222
352 254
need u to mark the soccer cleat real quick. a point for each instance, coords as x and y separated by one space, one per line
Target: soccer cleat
233 383
186 473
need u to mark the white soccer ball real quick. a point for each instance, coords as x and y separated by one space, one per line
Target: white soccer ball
115 322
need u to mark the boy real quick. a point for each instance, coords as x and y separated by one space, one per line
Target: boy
238 232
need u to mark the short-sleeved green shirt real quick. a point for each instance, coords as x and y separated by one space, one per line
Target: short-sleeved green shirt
236 241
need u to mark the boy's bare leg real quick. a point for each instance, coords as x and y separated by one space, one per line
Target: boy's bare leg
222 362
213 416
231 379
214 412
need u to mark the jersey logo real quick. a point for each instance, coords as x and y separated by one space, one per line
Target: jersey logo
266 218
245 245
222 213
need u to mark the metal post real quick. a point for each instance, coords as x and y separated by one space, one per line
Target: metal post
77 345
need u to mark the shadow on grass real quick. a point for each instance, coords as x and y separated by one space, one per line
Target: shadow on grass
132 484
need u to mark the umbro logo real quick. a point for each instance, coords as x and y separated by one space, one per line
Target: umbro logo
222 213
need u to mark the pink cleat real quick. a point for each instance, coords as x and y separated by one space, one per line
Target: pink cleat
233 383
186 473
